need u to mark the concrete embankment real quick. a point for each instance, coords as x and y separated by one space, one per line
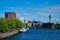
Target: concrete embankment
4 35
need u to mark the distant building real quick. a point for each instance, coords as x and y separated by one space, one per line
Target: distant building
34 24
29 24
48 25
57 25
10 15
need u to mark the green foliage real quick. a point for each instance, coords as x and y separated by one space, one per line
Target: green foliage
10 24
20 24
3 25
57 26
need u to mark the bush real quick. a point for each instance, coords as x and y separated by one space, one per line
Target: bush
3 25
20 24
10 24
57 26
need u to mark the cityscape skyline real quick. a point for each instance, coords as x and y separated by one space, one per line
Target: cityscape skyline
32 9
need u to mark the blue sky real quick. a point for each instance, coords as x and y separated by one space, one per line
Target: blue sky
32 9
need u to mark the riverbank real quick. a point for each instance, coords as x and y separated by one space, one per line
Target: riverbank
37 34
4 35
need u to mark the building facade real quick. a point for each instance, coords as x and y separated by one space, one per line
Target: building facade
34 24
10 15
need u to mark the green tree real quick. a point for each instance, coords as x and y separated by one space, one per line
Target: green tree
57 26
3 25
20 24
11 24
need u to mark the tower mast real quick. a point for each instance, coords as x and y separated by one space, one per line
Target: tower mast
50 24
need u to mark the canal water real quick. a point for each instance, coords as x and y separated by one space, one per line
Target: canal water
37 34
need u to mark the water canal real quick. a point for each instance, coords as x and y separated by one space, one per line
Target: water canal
37 34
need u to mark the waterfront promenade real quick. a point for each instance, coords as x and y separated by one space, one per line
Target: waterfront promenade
3 35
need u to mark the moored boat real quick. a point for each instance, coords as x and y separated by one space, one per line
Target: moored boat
23 30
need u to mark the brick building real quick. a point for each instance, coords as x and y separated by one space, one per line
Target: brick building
10 15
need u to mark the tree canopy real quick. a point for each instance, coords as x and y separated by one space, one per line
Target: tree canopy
10 24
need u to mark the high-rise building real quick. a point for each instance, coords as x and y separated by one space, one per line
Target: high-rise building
10 15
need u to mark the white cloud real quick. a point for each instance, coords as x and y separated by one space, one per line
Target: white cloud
17 15
43 14
21 18
38 8
55 8
57 19
26 11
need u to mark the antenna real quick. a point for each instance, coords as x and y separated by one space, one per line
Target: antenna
50 15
